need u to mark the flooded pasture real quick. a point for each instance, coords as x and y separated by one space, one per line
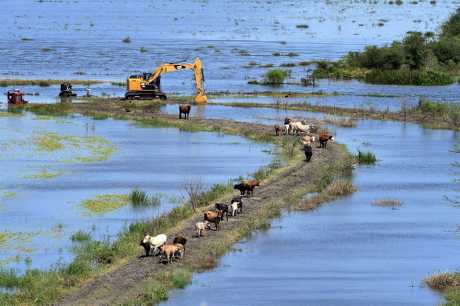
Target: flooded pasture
85 42
51 166
350 251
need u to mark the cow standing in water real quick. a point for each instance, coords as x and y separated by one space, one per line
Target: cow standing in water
184 109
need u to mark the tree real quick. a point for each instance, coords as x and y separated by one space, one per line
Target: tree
194 188
415 49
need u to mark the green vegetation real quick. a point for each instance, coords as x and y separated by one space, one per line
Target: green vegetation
80 236
181 279
302 26
120 84
140 198
448 284
419 59
340 187
448 113
45 83
45 174
387 203
275 76
366 158
105 203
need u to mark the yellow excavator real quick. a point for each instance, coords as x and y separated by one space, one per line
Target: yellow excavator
147 85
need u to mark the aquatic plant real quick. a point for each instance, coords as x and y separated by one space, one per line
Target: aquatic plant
340 187
80 236
275 76
45 174
366 158
140 198
181 279
443 281
449 112
105 203
44 83
387 203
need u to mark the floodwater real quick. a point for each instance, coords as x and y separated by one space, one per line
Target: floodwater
350 252
83 40
41 212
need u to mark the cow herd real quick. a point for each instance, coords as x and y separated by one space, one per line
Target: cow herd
169 252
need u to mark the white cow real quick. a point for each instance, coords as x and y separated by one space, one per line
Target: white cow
156 242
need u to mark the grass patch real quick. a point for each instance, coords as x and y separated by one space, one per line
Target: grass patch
105 203
181 279
45 174
140 198
340 187
80 236
443 281
448 112
366 158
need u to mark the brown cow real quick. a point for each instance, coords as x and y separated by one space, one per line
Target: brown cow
323 139
213 217
184 109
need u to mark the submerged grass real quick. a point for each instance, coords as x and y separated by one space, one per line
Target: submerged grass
80 236
45 83
387 203
105 203
366 158
45 174
140 198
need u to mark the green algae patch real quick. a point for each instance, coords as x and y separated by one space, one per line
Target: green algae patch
45 174
8 194
77 149
8 238
6 114
49 142
105 203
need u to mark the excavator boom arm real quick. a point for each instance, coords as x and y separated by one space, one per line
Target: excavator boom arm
196 66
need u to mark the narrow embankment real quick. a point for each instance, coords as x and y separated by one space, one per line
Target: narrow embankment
127 282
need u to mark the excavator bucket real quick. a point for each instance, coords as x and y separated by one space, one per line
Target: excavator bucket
201 99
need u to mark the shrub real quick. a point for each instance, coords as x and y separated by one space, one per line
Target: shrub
276 76
366 158
442 281
407 77
80 236
340 187
140 198
160 293
181 279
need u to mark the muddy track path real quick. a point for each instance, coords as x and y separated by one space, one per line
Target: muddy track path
124 281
